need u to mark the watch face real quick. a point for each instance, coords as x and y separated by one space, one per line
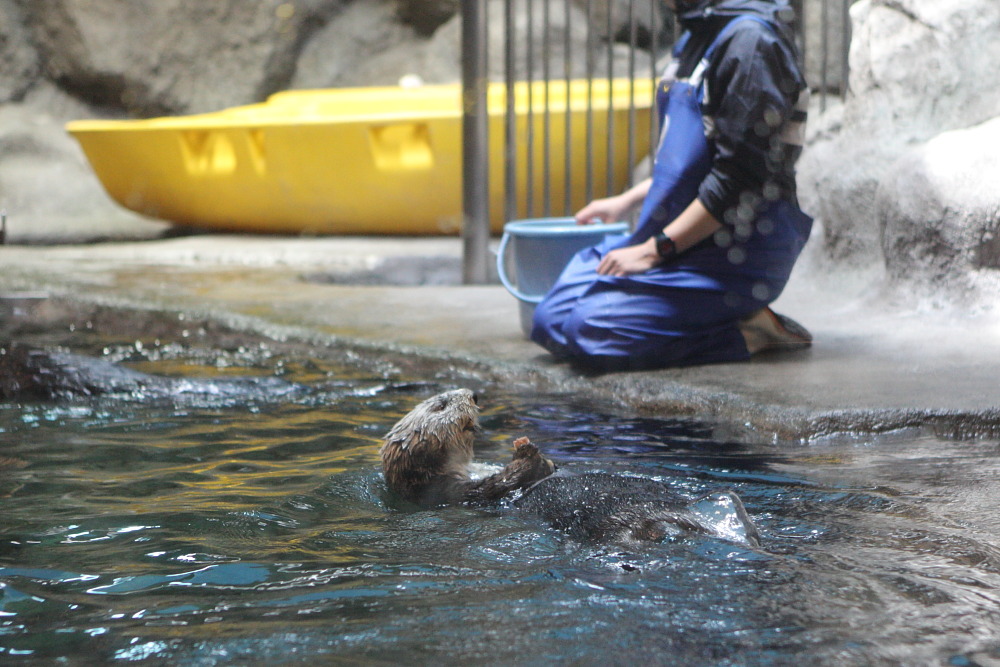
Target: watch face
664 245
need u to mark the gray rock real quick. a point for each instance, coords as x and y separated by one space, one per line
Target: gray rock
19 65
368 45
939 212
918 68
426 16
48 189
170 56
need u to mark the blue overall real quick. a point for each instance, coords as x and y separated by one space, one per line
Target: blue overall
687 309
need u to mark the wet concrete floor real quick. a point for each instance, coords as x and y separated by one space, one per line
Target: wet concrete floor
872 369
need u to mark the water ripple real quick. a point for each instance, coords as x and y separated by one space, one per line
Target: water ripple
217 530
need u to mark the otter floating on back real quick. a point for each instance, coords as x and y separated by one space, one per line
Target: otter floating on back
426 457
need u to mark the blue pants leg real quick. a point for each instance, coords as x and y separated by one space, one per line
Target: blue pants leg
685 312
624 323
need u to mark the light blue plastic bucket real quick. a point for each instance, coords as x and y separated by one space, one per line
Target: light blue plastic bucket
538 251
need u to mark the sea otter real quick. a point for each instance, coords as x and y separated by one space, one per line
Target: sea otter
426 457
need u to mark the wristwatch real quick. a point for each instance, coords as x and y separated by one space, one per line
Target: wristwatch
665 246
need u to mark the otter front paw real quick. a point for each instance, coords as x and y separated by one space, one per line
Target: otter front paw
524 448
528 464
527 467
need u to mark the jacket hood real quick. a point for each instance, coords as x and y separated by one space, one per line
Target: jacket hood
710 12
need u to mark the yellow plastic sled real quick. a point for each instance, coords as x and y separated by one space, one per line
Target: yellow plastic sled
359 160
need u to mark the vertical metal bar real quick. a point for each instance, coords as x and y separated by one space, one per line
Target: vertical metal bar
845 48
475 144
547 118
568 132
654 74
590 101
801 34
510 115
824 52
529 78
609 156
631 92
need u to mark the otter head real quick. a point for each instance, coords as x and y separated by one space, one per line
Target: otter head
432 442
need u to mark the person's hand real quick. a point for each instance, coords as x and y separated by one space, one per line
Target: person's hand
608 209
630 260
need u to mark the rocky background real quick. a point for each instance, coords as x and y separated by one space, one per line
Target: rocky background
901 176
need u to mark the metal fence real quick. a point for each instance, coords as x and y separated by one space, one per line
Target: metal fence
571 108
533 194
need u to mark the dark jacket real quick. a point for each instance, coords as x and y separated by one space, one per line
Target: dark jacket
753 84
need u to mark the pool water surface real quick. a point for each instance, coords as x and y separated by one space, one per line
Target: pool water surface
220 528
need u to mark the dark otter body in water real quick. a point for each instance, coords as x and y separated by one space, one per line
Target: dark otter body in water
597 506
426 456
30 374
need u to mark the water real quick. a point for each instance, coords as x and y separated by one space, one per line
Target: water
212 529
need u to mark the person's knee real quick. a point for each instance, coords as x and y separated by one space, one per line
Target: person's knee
580 331
544 320
610 346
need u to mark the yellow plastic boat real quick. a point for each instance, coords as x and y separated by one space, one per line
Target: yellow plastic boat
357 160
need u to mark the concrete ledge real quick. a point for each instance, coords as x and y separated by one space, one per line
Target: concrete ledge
872 370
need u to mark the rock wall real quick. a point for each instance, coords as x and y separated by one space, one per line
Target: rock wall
65 59
938 212
169 56
153 57
924 87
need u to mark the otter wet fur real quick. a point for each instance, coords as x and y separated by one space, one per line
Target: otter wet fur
426 455
621 509
30 374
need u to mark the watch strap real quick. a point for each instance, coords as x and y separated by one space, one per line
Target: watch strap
665 246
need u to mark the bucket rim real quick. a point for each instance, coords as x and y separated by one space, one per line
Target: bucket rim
560 226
